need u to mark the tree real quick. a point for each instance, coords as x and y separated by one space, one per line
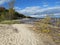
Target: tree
11 9
2 16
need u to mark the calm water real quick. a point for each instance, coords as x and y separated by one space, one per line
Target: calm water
32 20
28 20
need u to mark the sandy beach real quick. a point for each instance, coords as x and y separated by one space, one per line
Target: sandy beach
20 34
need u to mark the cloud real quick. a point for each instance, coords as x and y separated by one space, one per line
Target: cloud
45 5
17 8
37 11
41 16
57 2
30 10
3 1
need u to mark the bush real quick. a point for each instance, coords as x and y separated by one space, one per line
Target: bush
43 25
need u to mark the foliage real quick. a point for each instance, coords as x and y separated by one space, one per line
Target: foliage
58 22
46 26
43 25
10 13
9 22
4 15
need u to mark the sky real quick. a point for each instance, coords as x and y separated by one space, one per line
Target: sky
35 8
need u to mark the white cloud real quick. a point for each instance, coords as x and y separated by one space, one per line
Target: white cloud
30 10
17 8
34 11
3 1
38 15
57 14
57 2
45 5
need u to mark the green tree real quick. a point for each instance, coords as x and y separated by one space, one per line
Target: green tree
11 9
2 16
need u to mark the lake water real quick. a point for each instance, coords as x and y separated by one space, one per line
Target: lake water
29 20
32 20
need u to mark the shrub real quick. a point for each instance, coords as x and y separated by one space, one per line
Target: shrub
43 25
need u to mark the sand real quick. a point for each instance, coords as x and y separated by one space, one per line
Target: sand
20 34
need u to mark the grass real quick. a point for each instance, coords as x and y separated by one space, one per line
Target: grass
48 28
9 22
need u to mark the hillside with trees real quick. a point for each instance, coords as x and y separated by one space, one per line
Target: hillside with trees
10 13
4 14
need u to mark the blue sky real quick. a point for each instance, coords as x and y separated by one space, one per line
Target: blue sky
41 3
30 7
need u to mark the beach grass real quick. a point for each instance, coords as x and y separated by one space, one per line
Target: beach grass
9 22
